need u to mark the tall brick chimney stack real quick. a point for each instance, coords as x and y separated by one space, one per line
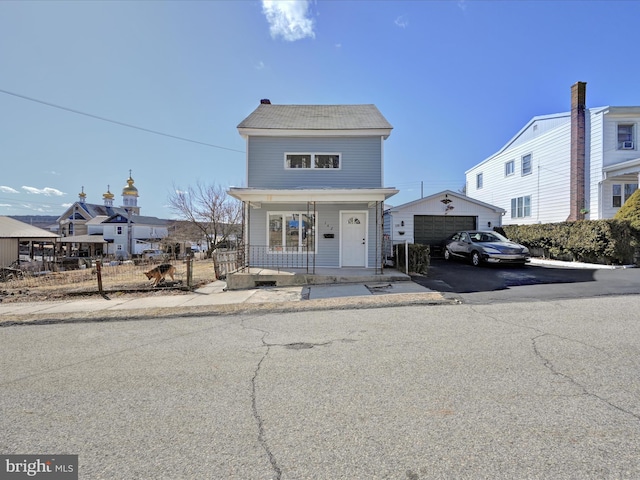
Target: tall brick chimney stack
578 151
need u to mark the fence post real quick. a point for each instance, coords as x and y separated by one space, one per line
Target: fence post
406 257
189 270
99 272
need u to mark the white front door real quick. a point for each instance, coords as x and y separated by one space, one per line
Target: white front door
354 239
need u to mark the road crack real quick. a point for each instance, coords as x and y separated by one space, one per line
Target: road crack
262 440
548 364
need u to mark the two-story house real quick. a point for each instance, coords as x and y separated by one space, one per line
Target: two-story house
581 164
315 185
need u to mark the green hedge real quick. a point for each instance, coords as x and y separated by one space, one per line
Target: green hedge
610 242
419 257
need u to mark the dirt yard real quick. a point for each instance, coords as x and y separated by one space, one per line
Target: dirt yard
124 278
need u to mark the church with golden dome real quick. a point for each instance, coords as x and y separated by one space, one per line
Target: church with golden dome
90 229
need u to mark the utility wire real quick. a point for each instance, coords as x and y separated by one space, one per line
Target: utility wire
117 122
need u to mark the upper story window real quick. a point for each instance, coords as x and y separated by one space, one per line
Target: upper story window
119 230
312 160
509 168
526 164
626 136
479 181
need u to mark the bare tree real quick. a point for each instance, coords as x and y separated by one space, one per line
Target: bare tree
215 215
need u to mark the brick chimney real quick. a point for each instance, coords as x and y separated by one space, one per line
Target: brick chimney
578 151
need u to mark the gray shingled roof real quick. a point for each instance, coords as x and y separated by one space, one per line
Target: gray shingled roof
316 117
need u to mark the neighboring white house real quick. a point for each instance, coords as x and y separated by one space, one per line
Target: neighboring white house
430 220
315 188
133 234
566 166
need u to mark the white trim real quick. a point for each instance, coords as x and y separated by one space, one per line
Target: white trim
381 160
285 132
328 195
366 235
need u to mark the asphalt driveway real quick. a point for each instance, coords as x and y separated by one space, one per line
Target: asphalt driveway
512 282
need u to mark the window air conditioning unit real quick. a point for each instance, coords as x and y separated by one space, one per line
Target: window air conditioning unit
627 145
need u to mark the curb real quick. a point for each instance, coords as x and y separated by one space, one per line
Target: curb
340 303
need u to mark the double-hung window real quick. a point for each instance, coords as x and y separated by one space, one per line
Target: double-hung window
620 193
119 230
521 207
626 136
479 181
312 160
291 232
509 168
526 164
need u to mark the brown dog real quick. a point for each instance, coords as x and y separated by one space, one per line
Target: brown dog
160 272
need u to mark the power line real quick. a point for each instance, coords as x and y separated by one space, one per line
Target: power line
117 122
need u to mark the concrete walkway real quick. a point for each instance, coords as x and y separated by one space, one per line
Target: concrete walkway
214 299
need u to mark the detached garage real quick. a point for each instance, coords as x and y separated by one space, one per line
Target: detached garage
430 220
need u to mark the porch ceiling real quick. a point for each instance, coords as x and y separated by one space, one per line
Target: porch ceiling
334 195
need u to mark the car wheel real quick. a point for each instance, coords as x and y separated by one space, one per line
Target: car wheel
475 259
447 254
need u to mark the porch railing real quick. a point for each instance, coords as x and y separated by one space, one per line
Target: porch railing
278 258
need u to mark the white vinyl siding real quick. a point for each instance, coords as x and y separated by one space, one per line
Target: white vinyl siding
551 152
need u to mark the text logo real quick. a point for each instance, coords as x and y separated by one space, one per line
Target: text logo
48 467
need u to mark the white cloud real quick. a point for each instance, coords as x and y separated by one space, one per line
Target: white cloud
5 189
288 19
47 191
260 65
5 205
402 21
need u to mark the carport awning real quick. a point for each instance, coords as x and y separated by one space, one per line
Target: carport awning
83 239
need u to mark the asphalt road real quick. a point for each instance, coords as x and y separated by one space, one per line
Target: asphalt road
526 390
508 283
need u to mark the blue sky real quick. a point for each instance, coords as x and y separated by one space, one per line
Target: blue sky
456 79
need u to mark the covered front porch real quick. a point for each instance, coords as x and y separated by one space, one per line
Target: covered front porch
310 229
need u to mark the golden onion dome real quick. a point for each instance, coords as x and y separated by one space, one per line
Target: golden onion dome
130 189
108 195
82 194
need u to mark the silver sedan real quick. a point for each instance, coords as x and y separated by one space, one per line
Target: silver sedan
485 247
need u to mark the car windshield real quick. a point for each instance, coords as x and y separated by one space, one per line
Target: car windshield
483 237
